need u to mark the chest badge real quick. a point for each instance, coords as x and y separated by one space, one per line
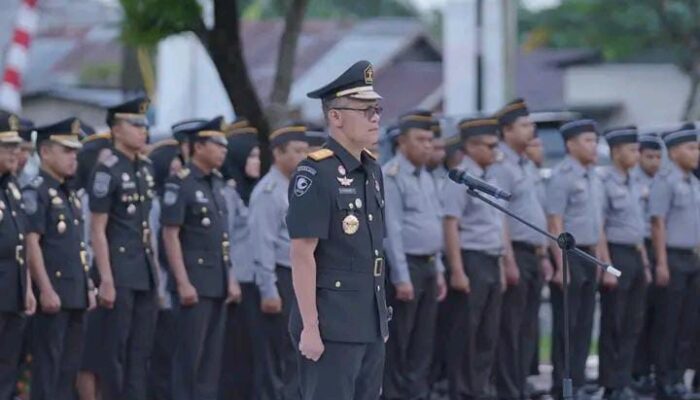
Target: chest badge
61 226
345 181
131 209
126 177
351 224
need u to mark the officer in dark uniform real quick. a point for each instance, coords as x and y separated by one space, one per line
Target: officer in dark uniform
17 298
525 256
674 206
336 225
622 307
573 204
473 246
414 247
120 331
195 233
58 262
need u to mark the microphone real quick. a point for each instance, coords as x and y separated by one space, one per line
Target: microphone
464 178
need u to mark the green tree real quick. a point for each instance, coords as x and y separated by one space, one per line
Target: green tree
621 29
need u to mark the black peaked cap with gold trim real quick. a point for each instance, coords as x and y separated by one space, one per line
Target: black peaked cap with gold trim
471 127
288 132
66 132
240 126
209 130
133 111
512 111
418 119
357 82
9 128
181 128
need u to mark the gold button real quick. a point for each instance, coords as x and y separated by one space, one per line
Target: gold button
86 268
338 284
142 198
122 249
58 274
76 222
225 235
379 288
371 217
148 251
376 252
82 245
14 214
144 224
21 236
200 261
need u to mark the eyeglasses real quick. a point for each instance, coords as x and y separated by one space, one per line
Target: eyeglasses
369 112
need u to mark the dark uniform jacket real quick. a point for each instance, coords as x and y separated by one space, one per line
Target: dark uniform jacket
194 201
340 200
54 211
123 189
13 271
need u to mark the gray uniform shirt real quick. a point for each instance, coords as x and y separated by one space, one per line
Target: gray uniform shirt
517 175
413 216
239 232
622 211
574 192
643 182
480 225
268 230
675 197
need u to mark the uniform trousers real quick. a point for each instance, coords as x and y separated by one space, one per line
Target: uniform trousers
58 346
119 342
471 346
12 326
622 316
518 338
676 317
643 354
161 365
199 348
583 285
412 331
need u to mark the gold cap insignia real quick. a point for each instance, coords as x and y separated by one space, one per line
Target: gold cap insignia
143 107
222 126
369 75
75 127
13 121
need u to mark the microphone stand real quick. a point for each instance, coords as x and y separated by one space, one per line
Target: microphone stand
567 244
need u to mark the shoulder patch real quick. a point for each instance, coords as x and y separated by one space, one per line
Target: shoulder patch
29 201
171 192
369 153
36 182
100 186
393 170
321 154
183 173
110 160
270 186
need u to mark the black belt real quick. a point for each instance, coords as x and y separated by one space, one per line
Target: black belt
626 246
524 246
422 258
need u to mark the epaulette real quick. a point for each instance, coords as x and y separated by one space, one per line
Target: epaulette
321 154
369 153
500 157
110 161
269 186
183 173
217 173
163 143
103 135
36 182
393 169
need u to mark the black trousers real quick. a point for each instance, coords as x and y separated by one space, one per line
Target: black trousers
58 345
161 365
198 351
643 354
518 339
118 344
240 370
438 367
676 317
582 296
11 334
621 318
473 337
345 371
412 331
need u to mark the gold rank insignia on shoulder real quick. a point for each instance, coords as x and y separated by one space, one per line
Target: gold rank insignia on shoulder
183 173
321 154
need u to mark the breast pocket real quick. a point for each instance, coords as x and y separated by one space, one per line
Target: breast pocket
681 198
619 202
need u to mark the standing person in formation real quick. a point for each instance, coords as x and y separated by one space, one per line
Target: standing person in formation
195 233
17 299
120 332
474 245
526 260
336 226
270 247
674 206
573 205
414 248
650 159
57 258
621 300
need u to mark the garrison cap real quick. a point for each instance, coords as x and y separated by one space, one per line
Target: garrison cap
419 119
133 111
621 135
356 82
209 130
679 137
288 132
9 128
650 141
66 132
471 127
574 128
512 111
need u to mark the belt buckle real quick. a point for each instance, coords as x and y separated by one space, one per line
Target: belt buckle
378 266
18 254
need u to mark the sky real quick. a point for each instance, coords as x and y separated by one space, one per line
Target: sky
532 4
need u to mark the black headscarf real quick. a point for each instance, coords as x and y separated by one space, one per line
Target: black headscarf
162 156
239 148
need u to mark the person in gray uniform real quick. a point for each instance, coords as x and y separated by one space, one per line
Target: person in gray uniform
242 374
525 253
674 206
195 233
270 246
651 149
621 300
414 249
474 245
573 205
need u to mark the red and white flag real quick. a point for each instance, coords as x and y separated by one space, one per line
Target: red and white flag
16 57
